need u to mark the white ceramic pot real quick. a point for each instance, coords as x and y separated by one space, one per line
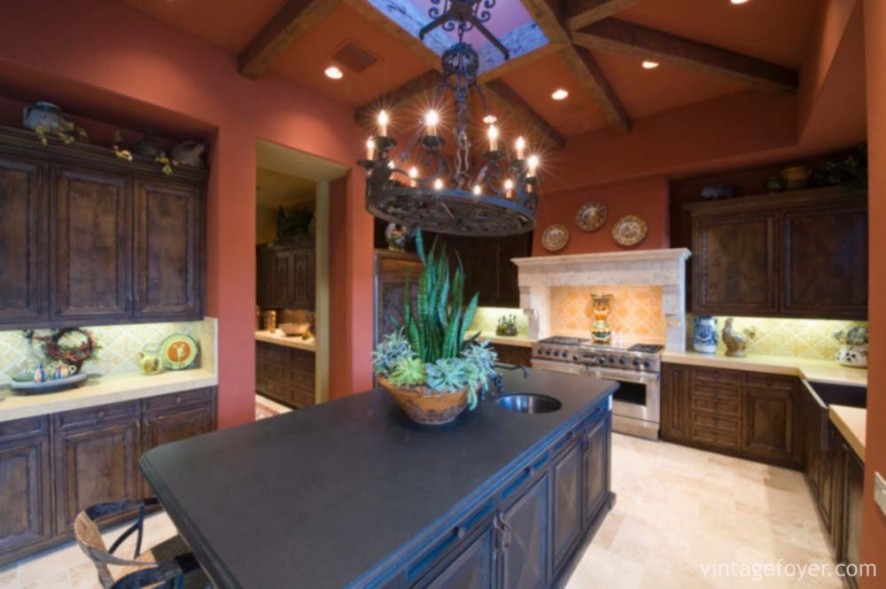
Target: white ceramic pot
854 356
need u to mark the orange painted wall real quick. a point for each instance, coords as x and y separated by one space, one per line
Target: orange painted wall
96 52
647 198
873 521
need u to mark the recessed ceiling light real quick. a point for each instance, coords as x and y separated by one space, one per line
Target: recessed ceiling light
334 73
559 94
650 65
736 2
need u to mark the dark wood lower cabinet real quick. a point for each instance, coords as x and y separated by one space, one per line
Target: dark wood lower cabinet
852 502
746 414
516 355
285 374
52 467
25 479
96 459
527 533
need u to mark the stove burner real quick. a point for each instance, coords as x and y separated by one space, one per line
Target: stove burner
646 348
563 341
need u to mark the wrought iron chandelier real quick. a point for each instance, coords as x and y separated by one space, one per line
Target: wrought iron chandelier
421 187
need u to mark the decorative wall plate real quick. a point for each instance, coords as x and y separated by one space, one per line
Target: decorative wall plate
591 216
179 351
629 230
555 237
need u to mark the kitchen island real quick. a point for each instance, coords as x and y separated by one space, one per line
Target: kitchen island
353 494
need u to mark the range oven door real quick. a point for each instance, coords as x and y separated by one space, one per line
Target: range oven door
636 405
556 366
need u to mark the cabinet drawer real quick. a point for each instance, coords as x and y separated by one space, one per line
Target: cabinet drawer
23 428
275 371
715 437
716 405
97 415
769 381
716 422
717 392
198 396
272 354
277 389
720 377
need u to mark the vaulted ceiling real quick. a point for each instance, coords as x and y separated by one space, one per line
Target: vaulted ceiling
594 49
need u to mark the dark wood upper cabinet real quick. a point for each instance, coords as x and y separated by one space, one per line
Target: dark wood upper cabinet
91 229
87 238
391 270
168 250
827 259
286 276
23 230
794 254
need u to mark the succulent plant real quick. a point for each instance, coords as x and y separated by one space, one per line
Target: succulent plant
409 372
447 375
388 354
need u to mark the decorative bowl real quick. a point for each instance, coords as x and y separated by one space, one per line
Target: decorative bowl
291 329
425 406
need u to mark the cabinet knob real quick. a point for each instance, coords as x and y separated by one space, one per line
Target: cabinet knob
101 414
460 532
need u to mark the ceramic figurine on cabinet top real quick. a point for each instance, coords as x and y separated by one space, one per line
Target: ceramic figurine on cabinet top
148 146
853 350
46 119
189 153
737 341
397 236
704 338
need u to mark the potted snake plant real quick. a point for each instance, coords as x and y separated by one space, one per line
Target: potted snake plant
432 371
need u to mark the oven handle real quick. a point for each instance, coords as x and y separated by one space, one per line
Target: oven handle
624 376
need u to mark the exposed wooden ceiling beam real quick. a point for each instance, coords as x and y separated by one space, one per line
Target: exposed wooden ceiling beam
291 22
617 36
580 13
398 97
548 15
523 114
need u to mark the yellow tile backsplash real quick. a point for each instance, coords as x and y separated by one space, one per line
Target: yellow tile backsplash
803 338
636 314
120 345
486 320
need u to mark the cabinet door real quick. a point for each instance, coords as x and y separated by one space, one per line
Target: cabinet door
480 258
525 547
826 263
23 252
95 462
675 400
473 567
597 460
391 270
303 280
91 239
517 246
281 281
769 422
516 355
853 499
25 479
734 265
168 251
567 518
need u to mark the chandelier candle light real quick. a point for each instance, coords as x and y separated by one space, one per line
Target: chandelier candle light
421 186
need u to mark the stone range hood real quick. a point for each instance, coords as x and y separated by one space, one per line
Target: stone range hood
665 268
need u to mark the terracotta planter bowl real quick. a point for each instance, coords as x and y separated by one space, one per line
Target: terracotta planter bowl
424 406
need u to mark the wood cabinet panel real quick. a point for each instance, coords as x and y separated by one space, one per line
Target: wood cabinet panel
286 276
827 262
285 374
91 231
853 501
770 422
526 548
567 518
391 270
168 250
25 480
471 568
597 466
736 268
95 464
515 355
675 403
23 233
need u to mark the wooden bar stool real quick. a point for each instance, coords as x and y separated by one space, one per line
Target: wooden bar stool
168 564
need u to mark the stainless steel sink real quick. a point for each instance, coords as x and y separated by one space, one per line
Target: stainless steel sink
529 403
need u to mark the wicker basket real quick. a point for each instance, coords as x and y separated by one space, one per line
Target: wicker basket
425 406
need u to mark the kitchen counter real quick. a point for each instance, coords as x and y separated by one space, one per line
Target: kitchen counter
346 493
102 391
813 370
279 339
851 422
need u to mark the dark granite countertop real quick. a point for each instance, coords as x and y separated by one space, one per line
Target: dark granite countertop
317 497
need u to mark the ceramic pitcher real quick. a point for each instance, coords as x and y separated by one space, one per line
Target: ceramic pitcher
705 334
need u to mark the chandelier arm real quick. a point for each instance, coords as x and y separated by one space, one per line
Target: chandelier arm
489 36
437 22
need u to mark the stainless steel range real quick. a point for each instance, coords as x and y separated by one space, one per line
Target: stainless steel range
636 408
